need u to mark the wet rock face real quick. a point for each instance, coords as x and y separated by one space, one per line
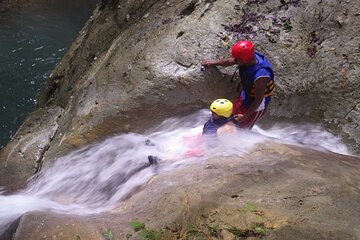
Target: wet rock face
22 157
148 70
314 50
315 56
138 58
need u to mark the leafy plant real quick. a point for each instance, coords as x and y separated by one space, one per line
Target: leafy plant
137 225
146 234
255 228
287 26
108 234
259 228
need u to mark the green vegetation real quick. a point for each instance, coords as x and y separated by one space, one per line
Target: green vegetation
252 222
143 232
108 234
287 26
259 228
252 225
256 228
195 233
146 234
137 225
204 232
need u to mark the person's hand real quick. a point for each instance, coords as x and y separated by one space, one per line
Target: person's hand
209 63
226 129
239 117
206 63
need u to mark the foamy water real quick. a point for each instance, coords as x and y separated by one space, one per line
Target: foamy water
98 177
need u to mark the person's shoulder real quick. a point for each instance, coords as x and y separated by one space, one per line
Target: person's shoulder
263 72
259 54
262 58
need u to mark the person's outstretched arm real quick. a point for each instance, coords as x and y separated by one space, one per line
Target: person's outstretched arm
225 62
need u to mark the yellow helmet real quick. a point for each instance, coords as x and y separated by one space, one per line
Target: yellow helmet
222 107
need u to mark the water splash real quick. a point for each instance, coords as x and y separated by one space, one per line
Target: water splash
309 135
98 177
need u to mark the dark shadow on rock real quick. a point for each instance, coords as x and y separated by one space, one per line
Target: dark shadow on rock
11 230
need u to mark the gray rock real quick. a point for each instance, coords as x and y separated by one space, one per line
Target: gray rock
23 155
290 192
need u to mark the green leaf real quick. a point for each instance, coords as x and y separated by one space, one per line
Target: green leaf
137 225
151 234
287 26
108 234
260 230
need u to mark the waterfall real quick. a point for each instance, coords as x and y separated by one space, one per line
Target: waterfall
98 177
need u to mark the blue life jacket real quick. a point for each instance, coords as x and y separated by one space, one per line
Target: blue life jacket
248 75
212 125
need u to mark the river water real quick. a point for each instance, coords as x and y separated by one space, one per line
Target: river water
32 41
98 177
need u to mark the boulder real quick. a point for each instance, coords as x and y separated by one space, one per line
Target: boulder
274 192
37 225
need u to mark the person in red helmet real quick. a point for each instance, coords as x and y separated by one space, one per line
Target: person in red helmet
257 81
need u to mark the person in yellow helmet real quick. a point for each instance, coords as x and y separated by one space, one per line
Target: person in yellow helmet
221 116
221 121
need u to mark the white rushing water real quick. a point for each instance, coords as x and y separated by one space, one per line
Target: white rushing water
98 177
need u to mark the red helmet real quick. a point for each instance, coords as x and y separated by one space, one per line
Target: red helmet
244 50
